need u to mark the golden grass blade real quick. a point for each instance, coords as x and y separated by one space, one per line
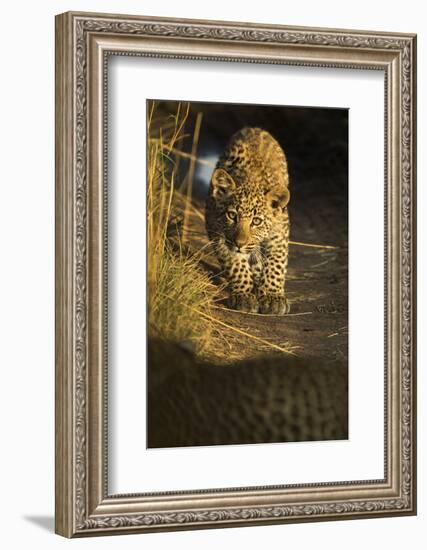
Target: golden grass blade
179 125
312 245
242 332
235 329
188 201
185 155
264 314
151 107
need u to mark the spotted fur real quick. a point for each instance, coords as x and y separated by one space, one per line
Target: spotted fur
247 221
266 400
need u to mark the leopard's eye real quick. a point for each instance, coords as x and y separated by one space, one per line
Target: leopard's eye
256 221
232 215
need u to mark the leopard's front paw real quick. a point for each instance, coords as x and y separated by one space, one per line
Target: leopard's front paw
274 304
244 302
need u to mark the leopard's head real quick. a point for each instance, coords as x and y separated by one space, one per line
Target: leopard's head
245 210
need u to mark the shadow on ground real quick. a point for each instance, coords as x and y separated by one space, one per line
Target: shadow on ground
272 399
44 522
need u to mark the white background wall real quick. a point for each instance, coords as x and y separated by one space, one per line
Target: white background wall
27 273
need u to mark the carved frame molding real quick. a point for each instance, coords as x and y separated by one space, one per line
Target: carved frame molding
83 42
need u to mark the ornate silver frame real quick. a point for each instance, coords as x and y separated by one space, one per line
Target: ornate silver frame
83 505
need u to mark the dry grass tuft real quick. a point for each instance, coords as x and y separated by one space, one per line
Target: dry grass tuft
177 286
182 298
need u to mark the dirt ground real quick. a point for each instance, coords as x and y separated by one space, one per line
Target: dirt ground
317 326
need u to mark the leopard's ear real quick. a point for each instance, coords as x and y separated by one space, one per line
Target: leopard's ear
221 184
278 198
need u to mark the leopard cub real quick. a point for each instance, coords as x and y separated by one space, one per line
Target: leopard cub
247 221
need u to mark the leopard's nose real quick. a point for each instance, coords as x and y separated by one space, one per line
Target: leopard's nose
240 241
241 236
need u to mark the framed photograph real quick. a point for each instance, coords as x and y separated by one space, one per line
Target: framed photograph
235 274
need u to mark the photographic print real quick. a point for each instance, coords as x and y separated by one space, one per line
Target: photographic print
247 239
